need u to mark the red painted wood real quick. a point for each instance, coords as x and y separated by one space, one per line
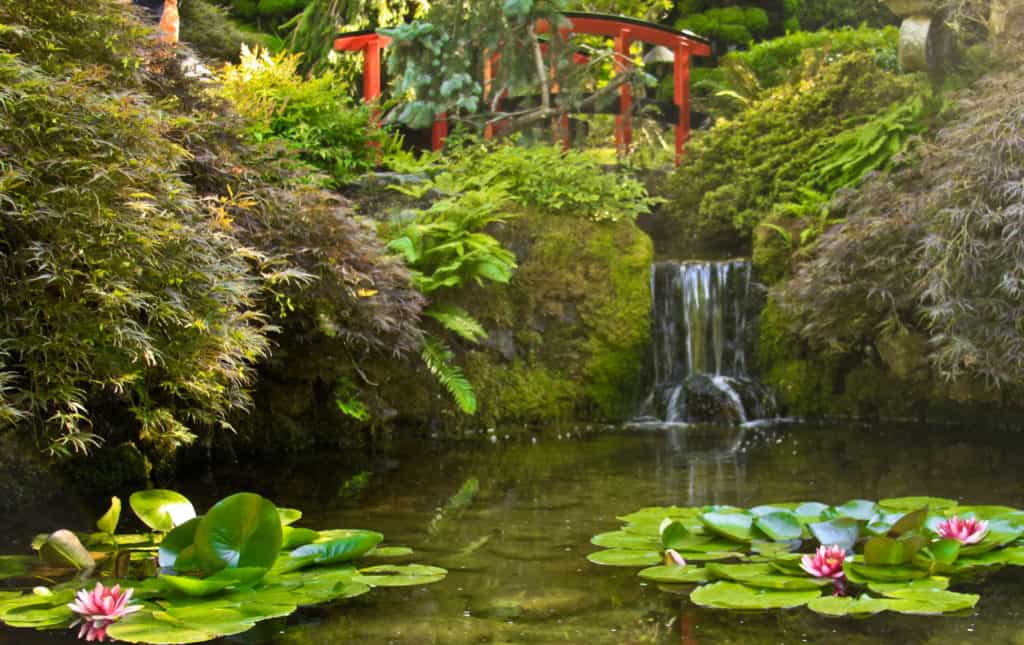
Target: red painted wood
359 42
611 27
624 122
439 131
682 99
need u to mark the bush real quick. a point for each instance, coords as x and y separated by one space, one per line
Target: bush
735 173
314 118
549 179
730 25
143 260
935 248
831 14
207 28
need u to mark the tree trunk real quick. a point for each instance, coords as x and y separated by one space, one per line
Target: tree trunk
170 22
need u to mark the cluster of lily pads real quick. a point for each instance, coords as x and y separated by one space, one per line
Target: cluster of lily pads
858 558
195 578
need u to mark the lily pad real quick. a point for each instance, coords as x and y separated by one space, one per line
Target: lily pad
858 509
180 538
841 532
392 575
342 549
914 503
224 579
671 574
292 537
809 512
625 558
389 552
161 510
242 530
289 516
935 583
846 606
929 602
780 525
108 522
860 573
763 576
15 566
734 526
63 549
732 595
623 540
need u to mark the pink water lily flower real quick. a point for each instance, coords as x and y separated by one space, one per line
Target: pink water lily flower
672 557
967 531
826 562
98 608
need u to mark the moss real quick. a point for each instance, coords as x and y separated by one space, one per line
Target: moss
573 324
804 385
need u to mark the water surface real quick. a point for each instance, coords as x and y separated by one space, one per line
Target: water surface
516 553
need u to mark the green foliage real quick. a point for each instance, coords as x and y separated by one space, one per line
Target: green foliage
548 179
730 25
143 258
831 14
206 27
734 174
895 556
313 118
221 573
652 10
933 248
439 358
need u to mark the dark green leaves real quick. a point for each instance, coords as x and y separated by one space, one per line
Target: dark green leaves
243 530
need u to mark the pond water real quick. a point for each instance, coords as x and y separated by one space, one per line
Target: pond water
516 549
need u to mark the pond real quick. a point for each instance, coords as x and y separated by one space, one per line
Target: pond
516 538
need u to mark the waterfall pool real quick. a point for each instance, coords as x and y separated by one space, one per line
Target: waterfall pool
516 552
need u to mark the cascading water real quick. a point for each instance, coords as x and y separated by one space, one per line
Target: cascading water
698 358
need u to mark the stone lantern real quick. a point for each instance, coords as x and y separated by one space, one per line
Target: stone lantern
926 44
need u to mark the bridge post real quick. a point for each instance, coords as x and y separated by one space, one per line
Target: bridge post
439 131
624 121
682 99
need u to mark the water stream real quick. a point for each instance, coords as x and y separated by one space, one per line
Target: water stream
698 357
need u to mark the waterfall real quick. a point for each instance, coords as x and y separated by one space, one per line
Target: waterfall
698 357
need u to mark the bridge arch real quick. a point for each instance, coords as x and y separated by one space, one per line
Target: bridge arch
625 31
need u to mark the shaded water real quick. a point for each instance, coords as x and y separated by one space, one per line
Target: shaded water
517 552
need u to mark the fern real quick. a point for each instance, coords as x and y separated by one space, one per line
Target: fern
458 321
438 358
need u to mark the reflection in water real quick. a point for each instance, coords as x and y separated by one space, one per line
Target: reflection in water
516 548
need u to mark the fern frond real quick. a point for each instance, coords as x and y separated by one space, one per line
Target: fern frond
438 359
458 321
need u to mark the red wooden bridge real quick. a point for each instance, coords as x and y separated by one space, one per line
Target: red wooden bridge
624 31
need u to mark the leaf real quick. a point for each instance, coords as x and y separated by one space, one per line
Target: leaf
810 511
912 503
623 540
457 321
63 549
674 535
860 573
175 542
780 526
437 358
842 532
764 576
858 509
289 516
929 602
223 579
732 595
884 551
240 531
392 575
937 583
735 526
846 606
292 537
912 521
108 522
342 549
161 510
672 574
625 558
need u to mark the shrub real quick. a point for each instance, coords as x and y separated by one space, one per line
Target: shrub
730 25
735 173
314 118
207 28
830 14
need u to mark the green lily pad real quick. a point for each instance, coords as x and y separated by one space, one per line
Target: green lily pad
912 521
846 606
983 512
623 540
780 525
733 595
935 583
224 579
914 503
673 535
392 575
656 514
63 549
625 558
180 538
858 509
161 510
734 526
1001 531
108 522
389 552
860 573
289 516
342 549
842 532
810 512
164 628
240 531
671 574
292 537
929 602
764 576
15 566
